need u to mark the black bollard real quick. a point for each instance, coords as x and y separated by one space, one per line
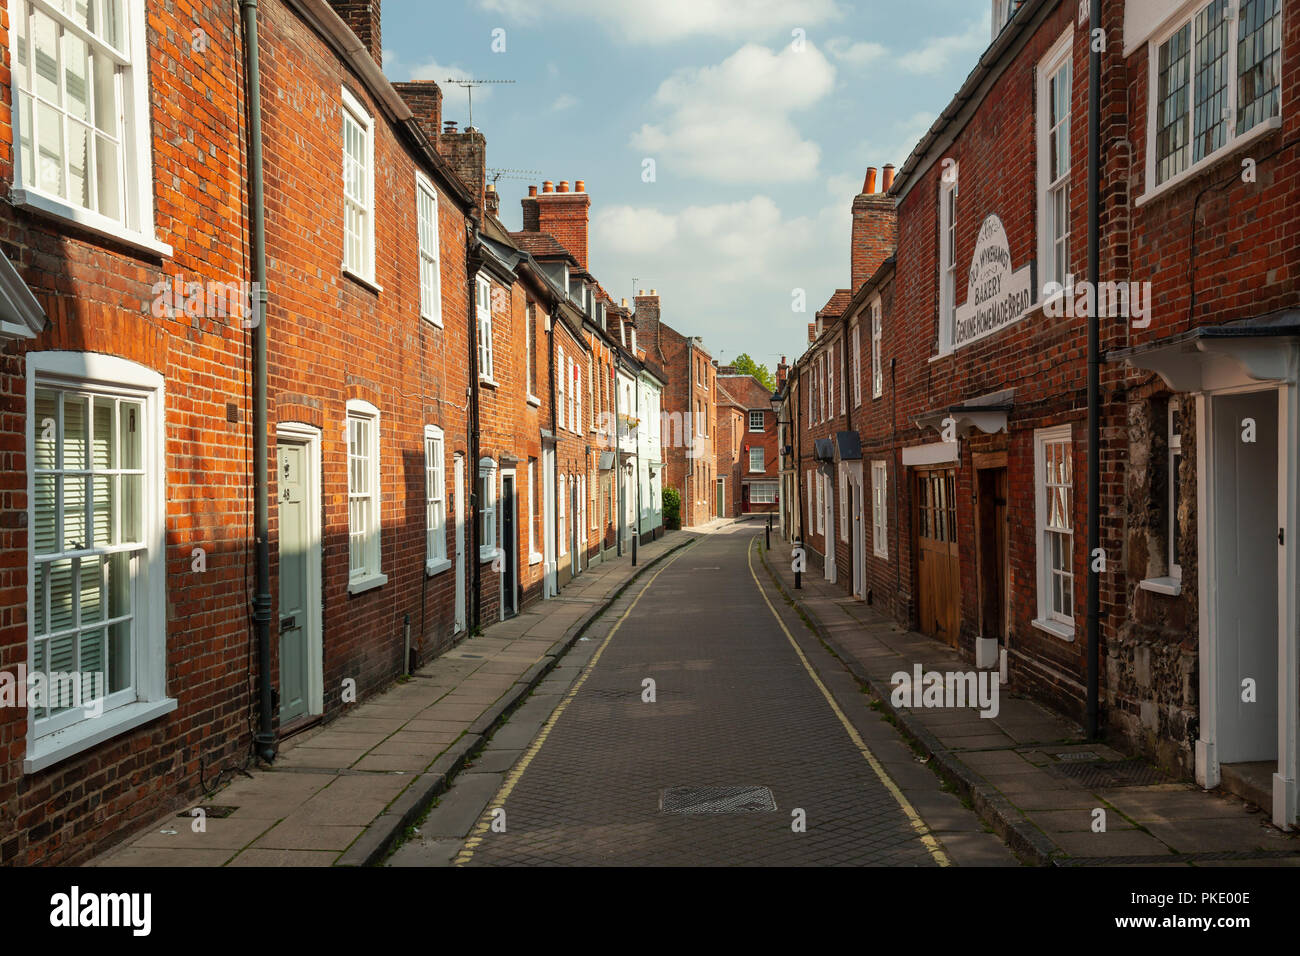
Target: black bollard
634 537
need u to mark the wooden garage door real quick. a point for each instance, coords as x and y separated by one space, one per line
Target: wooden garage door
935 533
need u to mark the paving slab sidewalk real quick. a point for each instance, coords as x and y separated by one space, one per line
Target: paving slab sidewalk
340 794
1016 768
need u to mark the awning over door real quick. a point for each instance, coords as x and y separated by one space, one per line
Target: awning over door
1212 357
988 413
21 316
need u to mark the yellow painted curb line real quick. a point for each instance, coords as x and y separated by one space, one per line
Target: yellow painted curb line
913 817
485 821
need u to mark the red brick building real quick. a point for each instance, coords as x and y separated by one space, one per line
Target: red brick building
750 465
974 410
689 411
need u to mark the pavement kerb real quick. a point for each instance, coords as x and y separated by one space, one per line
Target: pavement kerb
380 835
1026 840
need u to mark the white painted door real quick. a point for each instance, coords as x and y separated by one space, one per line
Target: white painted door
458 494
1244 589
548 521
857 535
297 575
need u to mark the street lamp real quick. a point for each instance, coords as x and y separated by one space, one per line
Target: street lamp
777 402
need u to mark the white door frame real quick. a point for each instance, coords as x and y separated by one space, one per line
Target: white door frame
513 545
458 483
857 527
1207 758
310 436
832 526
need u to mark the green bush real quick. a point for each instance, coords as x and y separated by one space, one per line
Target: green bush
672 509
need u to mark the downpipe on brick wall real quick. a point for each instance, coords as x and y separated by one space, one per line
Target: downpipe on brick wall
264 739
473 260
1094 369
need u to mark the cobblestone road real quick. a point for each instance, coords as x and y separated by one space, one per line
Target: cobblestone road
735 706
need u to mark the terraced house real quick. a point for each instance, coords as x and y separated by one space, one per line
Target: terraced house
970 348
293 411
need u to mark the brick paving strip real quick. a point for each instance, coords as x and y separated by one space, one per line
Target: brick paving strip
343 794
1006 766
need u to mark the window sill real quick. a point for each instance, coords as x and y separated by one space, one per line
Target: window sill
882 555
1224 152
1169 585
90 221
488 381
369 283
486 554
534 558
436 567
369 583
1064 631
88 733
534 401
435 321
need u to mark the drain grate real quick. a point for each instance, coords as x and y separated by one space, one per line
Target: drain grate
1101 774
210 811
716 800
1078 755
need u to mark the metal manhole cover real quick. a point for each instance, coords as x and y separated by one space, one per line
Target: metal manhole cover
716 800
210 811
1078 755
1101 774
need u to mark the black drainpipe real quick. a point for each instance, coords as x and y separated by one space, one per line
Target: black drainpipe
1094 368
264 739
473 260
555 458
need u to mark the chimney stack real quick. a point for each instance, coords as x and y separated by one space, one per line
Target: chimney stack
491 201
424 97
561 213
466 153
646 315
362 17
875 229
782 373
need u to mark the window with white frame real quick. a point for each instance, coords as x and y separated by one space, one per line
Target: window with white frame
856 365
877 354
426 202
844 505
1054 99
808 496
1054 481
533 556
363 493
483 311
561 370
591 377
762 493
530 345
947 258
435 497
839 372
879 508
487 509
575 395
821 387
1215 77
561 501
808 392
80 72
756 419
97 558
358 189
1175 452
756 459
821 503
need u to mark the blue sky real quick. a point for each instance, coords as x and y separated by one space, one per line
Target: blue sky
759 142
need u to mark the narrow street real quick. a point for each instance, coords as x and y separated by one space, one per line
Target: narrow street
743 698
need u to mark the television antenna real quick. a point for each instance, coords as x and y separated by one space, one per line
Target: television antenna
502 172
468 87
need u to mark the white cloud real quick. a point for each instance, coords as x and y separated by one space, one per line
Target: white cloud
855 53
661 21
564 102
938 53
730 122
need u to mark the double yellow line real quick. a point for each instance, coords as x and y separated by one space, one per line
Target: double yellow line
919 825
516 773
